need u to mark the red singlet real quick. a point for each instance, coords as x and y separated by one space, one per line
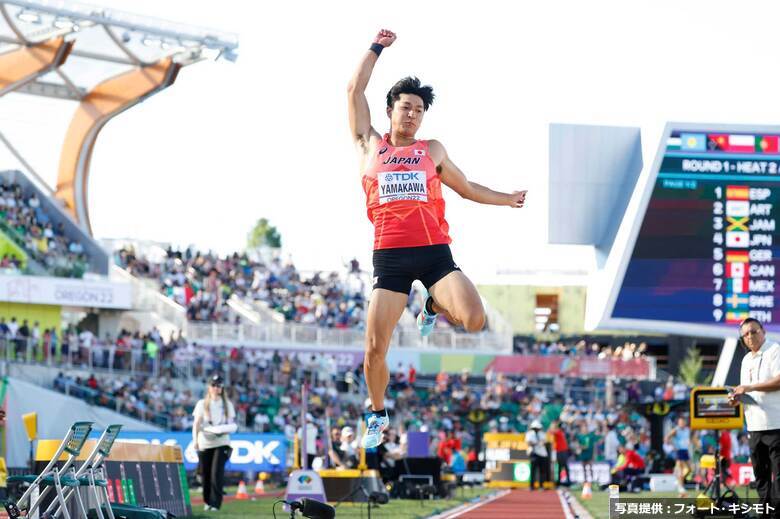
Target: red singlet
403 197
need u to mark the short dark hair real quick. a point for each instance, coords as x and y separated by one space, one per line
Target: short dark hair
751 320
410 85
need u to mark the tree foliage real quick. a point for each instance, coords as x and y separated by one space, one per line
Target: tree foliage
691 369
263 234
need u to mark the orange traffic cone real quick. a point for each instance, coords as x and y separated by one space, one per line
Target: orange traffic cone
241 493
587 492
259 487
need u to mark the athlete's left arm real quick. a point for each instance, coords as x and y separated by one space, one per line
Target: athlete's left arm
454 178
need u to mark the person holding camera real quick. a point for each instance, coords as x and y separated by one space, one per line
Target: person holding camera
759 390
215 419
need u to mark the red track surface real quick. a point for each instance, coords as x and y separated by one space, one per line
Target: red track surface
522 504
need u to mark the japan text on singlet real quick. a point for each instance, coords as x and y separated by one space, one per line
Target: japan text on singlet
403 197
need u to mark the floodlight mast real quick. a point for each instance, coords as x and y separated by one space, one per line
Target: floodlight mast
53 27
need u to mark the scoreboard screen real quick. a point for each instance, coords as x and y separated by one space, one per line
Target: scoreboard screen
705 252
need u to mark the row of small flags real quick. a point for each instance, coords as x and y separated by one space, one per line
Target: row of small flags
737 261
734 143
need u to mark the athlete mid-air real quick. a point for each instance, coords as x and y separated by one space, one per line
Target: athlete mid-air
402 177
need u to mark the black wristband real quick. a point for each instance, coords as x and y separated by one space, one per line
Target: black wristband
376 48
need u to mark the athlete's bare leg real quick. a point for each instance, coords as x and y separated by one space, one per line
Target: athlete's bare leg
457 298
384 311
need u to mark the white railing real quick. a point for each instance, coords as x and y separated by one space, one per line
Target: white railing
255 311
292 335
151 300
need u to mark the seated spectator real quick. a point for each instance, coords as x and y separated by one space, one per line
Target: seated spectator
348 452
630 465
335 449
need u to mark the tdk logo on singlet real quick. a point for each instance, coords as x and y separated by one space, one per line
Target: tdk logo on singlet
413 176
404 161
402 185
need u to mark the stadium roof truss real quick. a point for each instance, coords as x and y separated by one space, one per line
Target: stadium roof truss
106 60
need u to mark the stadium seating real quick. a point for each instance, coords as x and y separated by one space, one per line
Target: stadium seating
204 282
37 237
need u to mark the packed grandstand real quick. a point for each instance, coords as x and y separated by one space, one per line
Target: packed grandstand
150 378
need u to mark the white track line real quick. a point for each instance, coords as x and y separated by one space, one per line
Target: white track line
579 510
565 505
462 509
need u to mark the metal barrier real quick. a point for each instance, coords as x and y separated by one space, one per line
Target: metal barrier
97 358
291 334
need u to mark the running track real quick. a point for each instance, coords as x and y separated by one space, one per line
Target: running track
517 503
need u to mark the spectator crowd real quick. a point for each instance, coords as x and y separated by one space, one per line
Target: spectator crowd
587 420
204 282
597 421
625 351
28 225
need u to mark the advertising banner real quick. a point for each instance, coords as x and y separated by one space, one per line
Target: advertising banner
41 290
741 474
253 452
571 366
600 471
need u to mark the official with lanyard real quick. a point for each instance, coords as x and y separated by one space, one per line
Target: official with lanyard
759 391
215 419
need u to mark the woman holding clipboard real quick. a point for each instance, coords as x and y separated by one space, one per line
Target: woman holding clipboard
215 419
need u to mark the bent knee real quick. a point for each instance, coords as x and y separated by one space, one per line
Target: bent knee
474 322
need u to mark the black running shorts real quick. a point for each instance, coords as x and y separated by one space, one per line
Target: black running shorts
396 269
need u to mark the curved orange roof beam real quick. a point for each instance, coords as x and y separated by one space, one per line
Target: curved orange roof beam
28 62
106 100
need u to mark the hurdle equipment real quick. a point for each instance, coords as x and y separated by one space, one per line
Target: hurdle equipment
53 476
92 475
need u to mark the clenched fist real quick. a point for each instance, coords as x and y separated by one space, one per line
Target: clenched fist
385 38
517 199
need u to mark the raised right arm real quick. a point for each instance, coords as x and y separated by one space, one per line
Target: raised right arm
359 114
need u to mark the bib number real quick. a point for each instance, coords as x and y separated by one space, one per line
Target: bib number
402 185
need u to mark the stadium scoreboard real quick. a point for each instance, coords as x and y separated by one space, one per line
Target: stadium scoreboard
705 252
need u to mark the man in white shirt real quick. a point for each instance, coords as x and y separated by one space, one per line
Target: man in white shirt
311 440
537 450
759 390
13 328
